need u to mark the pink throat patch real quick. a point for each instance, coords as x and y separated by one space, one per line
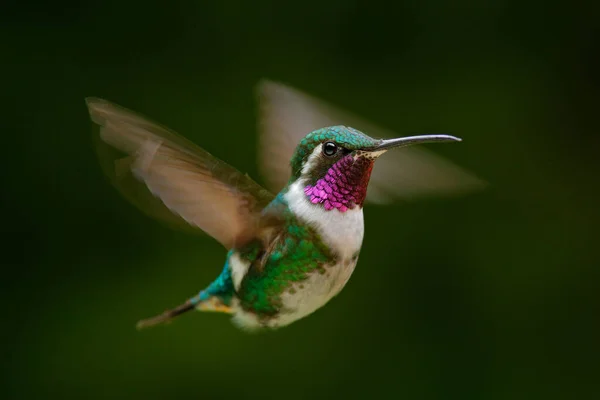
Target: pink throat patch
344 186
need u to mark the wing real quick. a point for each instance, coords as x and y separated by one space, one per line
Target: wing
173 180
286 115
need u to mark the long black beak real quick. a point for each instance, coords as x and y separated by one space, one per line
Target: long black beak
387 144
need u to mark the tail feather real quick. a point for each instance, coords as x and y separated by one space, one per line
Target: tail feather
166 316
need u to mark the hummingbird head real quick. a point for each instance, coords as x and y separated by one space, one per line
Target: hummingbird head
334 164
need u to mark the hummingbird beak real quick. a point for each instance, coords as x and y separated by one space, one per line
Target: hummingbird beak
386 144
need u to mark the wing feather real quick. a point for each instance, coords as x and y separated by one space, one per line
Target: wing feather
172 179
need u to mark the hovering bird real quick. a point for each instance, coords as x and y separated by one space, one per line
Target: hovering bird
288 253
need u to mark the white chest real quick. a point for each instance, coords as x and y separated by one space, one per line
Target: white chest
342 231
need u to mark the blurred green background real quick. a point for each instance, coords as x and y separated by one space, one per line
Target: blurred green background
490 296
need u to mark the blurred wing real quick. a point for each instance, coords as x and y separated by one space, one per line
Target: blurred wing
173 180
286 115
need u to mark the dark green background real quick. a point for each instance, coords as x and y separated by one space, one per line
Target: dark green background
490 296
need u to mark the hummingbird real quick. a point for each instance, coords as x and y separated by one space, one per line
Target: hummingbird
292 245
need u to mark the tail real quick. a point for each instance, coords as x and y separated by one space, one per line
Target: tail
203 302
166 316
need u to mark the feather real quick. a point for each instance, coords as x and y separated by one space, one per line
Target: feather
172 179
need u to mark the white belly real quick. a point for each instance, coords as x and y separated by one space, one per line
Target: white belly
303 298
312 294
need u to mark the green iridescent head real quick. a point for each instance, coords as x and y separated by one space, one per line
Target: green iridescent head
346 139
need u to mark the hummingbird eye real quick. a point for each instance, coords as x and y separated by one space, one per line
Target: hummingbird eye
329 149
